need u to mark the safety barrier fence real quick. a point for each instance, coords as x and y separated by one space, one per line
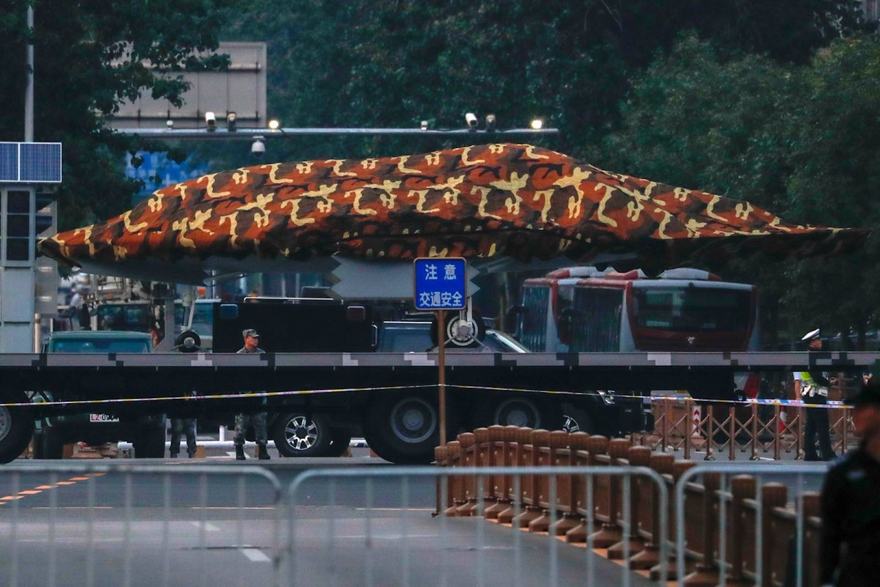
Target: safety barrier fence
99 524
109 524
417 557
731 529
751 429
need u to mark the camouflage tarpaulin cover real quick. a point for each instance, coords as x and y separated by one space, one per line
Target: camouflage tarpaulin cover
479 201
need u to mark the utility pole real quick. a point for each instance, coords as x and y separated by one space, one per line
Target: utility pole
29 80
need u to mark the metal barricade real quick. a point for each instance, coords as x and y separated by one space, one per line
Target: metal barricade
407 529
739 525
124 524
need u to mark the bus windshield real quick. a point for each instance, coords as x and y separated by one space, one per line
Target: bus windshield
534 318
692 309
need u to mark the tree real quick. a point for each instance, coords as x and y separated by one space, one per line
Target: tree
801 140
89 56
395 62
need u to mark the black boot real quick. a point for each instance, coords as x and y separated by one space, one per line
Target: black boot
262 452
239 452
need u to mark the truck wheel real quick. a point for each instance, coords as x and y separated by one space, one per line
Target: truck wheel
524 412
301 434
341 441
16 427
403 429
53 444
150 444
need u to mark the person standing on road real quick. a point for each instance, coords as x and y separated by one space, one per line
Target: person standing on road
851 502
186 426
812 386
256 419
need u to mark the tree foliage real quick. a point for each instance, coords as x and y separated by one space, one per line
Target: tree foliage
396 62
799 139
89 56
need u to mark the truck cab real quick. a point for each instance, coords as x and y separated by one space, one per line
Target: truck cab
147 433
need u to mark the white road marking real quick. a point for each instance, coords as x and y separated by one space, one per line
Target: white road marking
223 507
255 555
208 526
394 509
74 507
385 537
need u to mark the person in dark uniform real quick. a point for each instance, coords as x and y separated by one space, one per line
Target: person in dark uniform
850 551
187 427
813 390
256 419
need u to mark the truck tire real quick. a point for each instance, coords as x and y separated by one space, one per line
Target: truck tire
150 443
302 434
53 444
16 427
522 411
341 441
403 428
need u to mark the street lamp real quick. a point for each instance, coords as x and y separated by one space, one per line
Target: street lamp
231 121
537 124
274 124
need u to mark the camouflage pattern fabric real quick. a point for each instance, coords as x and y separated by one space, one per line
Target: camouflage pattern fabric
258 421
479 201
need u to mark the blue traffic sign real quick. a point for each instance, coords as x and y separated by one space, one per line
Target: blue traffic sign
441 283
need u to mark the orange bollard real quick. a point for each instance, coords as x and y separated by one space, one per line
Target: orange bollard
456 489
440 455
577 441
539 438
637 456
558 440
706 571
596 447
611 533
468 442
649 557
496 458
522 457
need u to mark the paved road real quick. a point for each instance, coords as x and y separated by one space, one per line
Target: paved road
151 528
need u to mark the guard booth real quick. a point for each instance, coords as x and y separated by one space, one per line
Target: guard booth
28 286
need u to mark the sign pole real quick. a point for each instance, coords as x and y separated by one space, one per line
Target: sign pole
441 375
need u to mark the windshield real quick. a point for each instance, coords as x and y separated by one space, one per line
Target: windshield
693 309
100 346
402 339
595 320
533 332
203 319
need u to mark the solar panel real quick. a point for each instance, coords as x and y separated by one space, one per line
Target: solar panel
40 162
8 161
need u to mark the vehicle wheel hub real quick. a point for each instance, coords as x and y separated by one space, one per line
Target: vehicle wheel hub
413 420
301 433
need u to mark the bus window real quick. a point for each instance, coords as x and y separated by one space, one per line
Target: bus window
596 324
693 309
536 301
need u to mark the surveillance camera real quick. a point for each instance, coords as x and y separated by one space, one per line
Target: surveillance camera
424 125
491 122
471 120
231 120
258 147
211 121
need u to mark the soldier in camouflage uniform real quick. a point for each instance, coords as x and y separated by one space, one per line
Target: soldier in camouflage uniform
255 419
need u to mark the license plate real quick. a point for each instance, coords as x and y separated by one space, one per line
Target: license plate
102 418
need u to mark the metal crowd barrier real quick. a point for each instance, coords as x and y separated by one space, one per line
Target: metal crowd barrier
374 539
726 430
41 542
742 528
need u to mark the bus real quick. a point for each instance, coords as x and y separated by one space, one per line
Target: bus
584 309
